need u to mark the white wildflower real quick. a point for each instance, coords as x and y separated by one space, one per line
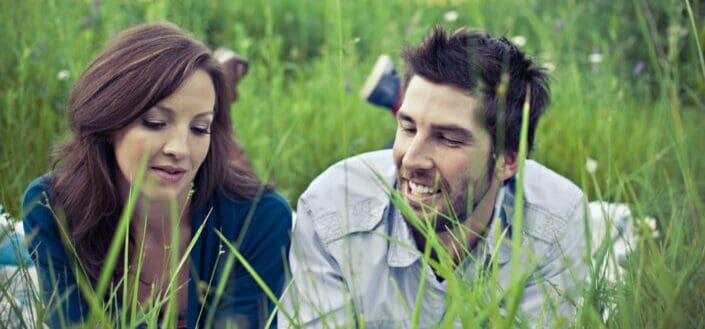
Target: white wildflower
63 75
5 219
638 68
8 225
595 58
519 40
651 224
451 16
590 165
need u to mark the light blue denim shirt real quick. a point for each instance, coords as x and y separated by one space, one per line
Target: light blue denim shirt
353 253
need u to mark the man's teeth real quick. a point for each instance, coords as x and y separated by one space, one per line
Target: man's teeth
421 189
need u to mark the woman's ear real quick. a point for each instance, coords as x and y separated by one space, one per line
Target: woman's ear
506 165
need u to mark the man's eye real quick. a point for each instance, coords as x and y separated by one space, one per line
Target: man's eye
451 142
408 130
153 124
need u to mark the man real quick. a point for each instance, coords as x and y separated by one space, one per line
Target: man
235 68
420 235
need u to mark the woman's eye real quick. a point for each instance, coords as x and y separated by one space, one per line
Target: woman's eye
201 130
151 124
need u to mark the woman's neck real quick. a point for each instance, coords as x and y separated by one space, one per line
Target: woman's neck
156 220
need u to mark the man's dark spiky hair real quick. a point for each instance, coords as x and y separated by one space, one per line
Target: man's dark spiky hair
475 63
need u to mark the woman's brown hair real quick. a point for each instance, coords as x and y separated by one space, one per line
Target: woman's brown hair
139 68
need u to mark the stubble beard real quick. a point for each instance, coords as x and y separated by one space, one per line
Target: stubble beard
457 211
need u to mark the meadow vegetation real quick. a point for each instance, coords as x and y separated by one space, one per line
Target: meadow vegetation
628 88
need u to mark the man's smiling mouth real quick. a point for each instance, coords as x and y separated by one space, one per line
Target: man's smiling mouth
422 190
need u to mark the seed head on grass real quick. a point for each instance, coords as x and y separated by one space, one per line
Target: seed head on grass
590 165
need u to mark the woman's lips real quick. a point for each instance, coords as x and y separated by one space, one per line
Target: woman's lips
169 175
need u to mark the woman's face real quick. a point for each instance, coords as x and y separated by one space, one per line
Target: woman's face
174 136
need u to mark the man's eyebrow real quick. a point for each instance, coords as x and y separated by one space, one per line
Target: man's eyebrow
452 129
402 116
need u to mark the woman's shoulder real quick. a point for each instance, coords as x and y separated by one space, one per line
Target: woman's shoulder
37 193
39 185
269 206
36 203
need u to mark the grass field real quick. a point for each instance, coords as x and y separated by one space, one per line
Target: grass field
628 86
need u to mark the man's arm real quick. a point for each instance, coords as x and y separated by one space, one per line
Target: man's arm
318 295
554 289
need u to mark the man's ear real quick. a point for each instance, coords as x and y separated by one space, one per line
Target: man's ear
506 165
240 67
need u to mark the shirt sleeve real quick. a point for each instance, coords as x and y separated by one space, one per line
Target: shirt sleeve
554 289
57 282
317 296
265 243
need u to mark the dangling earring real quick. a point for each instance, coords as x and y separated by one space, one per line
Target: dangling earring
191 190
499 166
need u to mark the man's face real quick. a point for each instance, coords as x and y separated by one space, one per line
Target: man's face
441 151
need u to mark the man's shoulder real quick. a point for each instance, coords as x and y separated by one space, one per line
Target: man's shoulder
357 177
551 202
544 186
350 196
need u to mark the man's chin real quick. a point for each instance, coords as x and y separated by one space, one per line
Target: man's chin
435 214
423 208
439 221
424 212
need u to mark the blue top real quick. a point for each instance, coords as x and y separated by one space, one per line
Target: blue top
264 235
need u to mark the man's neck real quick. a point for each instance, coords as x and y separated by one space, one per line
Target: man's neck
459 240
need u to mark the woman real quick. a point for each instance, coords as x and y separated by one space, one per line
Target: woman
158 99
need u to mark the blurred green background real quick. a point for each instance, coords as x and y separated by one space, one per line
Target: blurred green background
628 87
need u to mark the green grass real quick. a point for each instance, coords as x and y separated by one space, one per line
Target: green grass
299 112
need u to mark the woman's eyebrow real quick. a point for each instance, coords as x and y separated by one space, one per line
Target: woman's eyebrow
171 111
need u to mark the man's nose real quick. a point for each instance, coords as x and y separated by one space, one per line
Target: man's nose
418 155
